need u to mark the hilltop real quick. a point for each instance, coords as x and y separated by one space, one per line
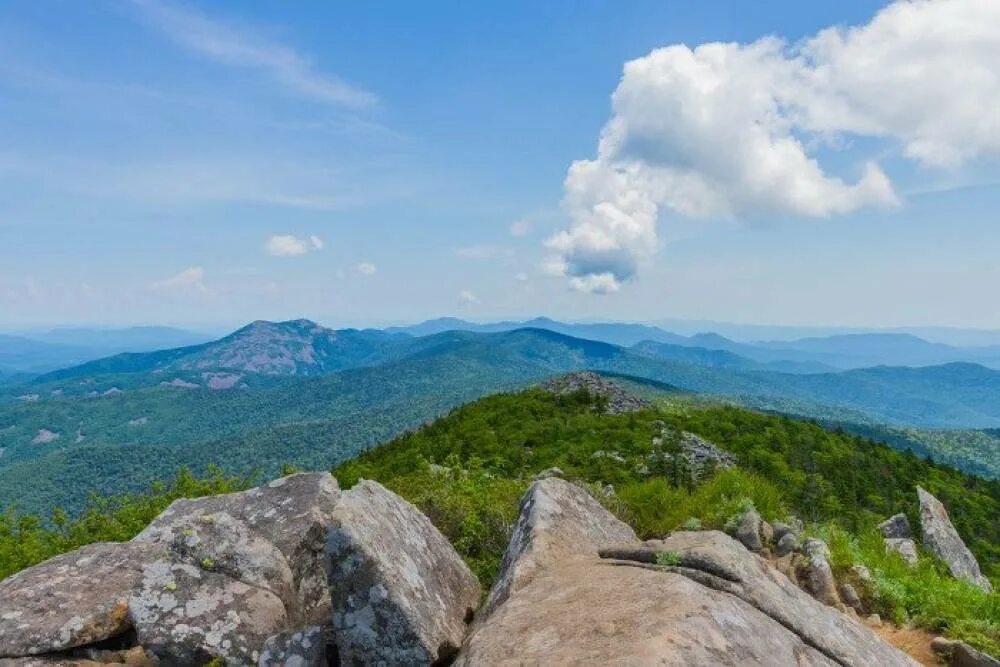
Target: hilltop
813 499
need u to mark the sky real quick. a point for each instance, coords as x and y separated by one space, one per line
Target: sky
207 164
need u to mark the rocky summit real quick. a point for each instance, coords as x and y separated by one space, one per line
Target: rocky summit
299 572
615 399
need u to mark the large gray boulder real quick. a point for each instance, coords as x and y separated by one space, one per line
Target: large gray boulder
558 521
401 594
291 514
718 604
941 539
188 615
71 600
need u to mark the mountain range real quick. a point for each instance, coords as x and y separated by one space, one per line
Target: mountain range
297 393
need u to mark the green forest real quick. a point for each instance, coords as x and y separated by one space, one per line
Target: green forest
468 470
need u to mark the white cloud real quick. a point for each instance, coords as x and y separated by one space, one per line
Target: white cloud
484 252
737 131
467 298
365 268
240 48
520 228
286 245
521 277
189 280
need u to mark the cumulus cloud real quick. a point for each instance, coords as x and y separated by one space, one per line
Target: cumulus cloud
737 130
467 298
240 48
189 280
286 245
365 268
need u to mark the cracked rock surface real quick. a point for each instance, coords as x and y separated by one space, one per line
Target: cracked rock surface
720 605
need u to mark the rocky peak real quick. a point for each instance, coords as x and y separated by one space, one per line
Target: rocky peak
618 400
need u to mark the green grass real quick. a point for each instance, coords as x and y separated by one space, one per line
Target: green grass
926 595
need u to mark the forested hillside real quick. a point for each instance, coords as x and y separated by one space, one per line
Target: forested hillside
65 438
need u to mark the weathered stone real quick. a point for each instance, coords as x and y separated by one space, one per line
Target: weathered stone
850 597
896 526
220 543
291 513
551 472
592 613
905 547
956 653
963 655
780 529
187 615
787 544
558 521
134 657
298 648
862 574
71 600
815 573
747 531
716 604
941 539
400 592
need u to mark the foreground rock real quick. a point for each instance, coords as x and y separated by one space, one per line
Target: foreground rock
186 615
941 539
286 519
71 600
559 602
401 594
558 522
959 654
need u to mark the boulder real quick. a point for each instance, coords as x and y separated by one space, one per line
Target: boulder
747 531
788 543
896 527
815 573
716 604
298 648
291 514
941 539
956 653
400 592
905 547
223 544
850 597
188 615
70 600
558 521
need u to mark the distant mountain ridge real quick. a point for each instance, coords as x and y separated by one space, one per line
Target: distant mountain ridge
805 355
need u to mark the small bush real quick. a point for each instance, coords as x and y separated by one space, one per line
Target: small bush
668 558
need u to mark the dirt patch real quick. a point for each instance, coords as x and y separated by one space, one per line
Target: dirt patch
915 642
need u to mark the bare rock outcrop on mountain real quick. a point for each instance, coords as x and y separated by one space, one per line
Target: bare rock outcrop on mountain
557 522
617 399
941 539
559 602
284 520
71 600
402 596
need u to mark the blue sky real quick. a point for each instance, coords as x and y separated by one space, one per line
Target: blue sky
206 164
